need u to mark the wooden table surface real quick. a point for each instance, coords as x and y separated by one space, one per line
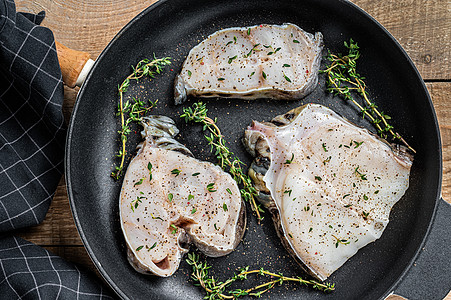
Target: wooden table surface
422 27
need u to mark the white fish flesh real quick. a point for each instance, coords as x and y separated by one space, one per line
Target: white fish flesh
261 61
329 185
170 199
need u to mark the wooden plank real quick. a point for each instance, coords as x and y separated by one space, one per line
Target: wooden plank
425 34
87 25
423 28
441 97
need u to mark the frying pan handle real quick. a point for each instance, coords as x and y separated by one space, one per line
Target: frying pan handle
430 275
75 65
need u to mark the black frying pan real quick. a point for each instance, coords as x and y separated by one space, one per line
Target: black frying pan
171 28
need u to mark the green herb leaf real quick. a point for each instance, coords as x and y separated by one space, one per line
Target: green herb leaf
224 207
156 218
286 78
327 160
210 187
357 144
170 197
149 167
139 248
176 172
362 176
288 192
252 50
231 59
135 203
289 161
174 229
139 182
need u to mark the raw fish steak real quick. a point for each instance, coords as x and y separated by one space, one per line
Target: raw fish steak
262 61
169 200
329 185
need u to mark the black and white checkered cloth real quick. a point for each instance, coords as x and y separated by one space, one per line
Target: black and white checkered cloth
32 136
32 129
31 272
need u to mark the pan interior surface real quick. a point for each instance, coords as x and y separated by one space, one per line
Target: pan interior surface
172 28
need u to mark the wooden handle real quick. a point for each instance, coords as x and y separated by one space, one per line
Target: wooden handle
71 63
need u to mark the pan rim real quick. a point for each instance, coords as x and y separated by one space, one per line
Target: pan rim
154 6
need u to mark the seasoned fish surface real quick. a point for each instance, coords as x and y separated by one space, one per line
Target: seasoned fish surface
262 61
329 185
170 199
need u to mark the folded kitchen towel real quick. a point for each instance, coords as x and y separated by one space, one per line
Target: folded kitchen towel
28 271
32 129
32 136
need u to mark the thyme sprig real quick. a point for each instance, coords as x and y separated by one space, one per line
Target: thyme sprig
217 290
134 111
343 80
226 159
339 241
